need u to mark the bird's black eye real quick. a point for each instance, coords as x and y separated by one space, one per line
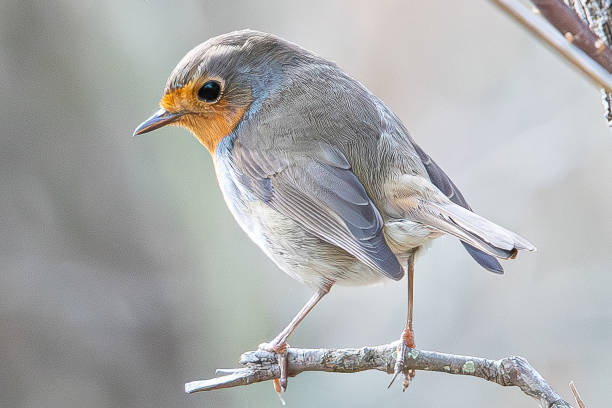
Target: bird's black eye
209 92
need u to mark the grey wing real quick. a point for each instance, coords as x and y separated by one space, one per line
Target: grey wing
320 192
446 186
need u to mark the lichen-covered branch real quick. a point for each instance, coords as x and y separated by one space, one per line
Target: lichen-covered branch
262 366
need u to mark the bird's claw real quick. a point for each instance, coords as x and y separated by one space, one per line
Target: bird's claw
280 350
406 343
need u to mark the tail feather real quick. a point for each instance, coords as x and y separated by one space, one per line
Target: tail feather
448 188
487 261
476 231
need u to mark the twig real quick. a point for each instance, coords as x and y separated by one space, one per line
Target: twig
585 24
262 366
563 44
597 14
576 395
566 21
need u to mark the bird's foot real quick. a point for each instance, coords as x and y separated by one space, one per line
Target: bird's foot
406 343
280 349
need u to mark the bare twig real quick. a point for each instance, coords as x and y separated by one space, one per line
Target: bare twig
262 366
563 44
584 24
597 14
566 20
576 395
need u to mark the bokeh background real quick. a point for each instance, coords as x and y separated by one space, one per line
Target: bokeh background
123 275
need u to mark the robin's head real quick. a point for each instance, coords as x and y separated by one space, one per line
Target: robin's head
213 86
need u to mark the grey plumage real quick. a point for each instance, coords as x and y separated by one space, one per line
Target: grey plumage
320 192
322 175
318 171
446 186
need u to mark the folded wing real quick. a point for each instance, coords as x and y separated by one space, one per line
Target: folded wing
319 191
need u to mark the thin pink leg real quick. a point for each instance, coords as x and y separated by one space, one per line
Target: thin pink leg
279 344
407 338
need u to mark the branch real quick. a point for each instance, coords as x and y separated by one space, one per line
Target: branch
563 44
597 14
262 366
567 21
583 35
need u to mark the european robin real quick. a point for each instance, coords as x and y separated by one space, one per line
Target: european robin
318 171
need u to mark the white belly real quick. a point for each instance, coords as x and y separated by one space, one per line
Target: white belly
296 251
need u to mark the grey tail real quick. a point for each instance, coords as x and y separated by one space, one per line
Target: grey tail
446 185
485 260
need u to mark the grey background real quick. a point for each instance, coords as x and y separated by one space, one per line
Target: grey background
123 274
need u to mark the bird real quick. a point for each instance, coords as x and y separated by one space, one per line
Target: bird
319 172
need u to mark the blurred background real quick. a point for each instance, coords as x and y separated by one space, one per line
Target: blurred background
124 275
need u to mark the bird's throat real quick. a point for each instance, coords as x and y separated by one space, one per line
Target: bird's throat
216 125
212 123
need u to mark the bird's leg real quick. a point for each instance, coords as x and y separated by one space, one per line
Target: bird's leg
407 339
279 344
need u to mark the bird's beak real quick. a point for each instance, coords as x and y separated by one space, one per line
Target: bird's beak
158 119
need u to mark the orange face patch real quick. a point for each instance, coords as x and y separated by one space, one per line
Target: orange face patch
209 122
178 100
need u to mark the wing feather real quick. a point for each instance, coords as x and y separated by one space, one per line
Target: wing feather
319 191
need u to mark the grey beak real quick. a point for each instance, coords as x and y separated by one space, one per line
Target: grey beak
158 119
